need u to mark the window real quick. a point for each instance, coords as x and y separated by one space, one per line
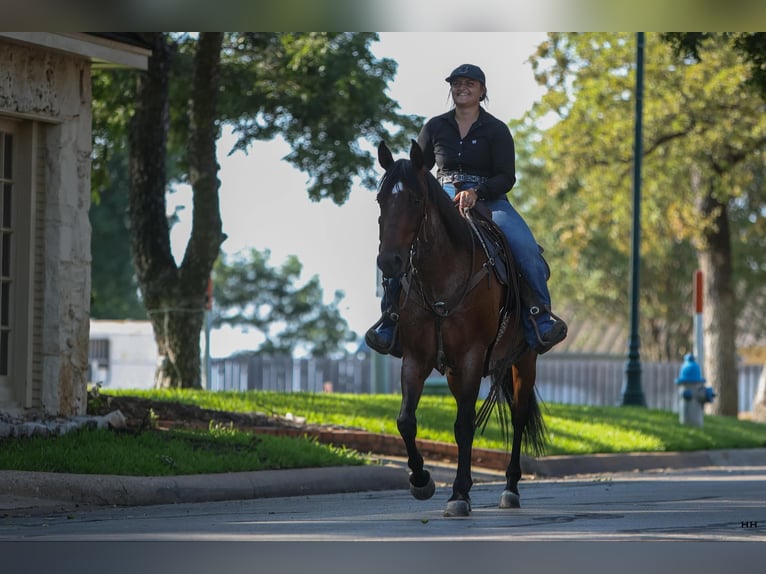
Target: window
6 251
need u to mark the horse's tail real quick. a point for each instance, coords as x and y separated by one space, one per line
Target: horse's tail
535 433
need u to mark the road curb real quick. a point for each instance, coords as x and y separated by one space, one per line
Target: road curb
107 490
546 466
553 466
26 491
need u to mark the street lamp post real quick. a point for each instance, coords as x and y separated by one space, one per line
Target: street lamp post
632 393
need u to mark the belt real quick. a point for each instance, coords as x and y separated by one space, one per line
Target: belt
460 177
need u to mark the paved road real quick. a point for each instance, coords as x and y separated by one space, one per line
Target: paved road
577 525
710 504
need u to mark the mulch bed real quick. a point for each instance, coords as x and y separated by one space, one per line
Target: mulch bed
141 413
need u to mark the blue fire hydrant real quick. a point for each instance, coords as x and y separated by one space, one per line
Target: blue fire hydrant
692 393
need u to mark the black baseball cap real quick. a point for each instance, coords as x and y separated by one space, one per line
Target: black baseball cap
467 71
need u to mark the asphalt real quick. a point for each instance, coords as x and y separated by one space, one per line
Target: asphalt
34 493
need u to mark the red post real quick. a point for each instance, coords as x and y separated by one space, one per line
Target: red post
698 291
699 340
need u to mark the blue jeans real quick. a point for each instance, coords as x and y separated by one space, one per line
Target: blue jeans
530 262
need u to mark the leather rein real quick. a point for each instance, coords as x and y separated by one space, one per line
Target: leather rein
440 308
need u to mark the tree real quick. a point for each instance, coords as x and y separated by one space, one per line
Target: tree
174 295
752 45
323 93
250 293
115 293
759 401
703 139
114 284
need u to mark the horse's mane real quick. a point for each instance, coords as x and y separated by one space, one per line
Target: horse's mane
403 171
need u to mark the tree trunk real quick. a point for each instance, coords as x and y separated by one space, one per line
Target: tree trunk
719 312
175 296
759 402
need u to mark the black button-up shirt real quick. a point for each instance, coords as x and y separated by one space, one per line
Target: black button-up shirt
487 150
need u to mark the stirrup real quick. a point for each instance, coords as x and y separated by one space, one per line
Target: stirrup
543 345
371 336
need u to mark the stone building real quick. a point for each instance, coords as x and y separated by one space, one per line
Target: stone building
45 164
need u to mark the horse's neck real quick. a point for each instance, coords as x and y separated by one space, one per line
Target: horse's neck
444 243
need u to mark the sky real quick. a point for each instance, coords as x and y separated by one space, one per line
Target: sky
264 203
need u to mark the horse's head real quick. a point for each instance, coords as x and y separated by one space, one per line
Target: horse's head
403 197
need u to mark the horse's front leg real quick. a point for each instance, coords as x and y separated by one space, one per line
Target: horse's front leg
465 388
422 485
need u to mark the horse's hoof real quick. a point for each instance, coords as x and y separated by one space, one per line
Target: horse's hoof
458 508
423 492
509 500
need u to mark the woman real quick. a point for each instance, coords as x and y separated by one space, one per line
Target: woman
475 159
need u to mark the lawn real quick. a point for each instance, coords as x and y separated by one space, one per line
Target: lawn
161 453
222 448
572 429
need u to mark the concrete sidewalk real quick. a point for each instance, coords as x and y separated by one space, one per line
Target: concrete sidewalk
40 493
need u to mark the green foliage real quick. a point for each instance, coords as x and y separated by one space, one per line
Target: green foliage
752 46
250 293
165 453
114 293
573 429
575 151
324 93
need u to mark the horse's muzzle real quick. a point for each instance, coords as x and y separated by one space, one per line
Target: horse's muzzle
391 264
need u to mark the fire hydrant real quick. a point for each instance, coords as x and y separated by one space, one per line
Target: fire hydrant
692 393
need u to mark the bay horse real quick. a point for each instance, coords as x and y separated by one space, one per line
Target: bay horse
455 316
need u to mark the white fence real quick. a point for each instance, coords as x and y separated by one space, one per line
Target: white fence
286 374
561 378
588 380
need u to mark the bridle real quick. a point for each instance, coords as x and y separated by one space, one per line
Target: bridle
412 277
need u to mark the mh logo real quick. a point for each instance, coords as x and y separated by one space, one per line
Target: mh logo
748 524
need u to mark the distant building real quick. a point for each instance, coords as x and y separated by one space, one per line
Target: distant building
123 354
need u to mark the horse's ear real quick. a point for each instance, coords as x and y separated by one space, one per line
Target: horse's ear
384 155
416 155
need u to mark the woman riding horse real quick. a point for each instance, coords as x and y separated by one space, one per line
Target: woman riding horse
474 153
459 318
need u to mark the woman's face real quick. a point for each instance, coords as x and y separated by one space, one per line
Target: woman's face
466 92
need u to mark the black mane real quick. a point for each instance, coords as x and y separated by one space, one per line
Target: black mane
403 171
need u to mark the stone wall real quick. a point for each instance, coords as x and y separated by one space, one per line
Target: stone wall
53 90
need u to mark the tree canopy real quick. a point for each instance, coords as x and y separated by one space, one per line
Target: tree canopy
324 93
248 292
576 173
703 138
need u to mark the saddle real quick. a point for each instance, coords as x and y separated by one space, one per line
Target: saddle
500 258
494 243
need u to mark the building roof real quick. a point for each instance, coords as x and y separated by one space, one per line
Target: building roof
102 49
137 39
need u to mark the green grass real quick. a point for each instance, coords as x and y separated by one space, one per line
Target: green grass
163 453
573 429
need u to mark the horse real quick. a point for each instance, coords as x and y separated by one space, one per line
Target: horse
454 315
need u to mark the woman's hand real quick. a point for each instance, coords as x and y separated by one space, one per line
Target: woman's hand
467 198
